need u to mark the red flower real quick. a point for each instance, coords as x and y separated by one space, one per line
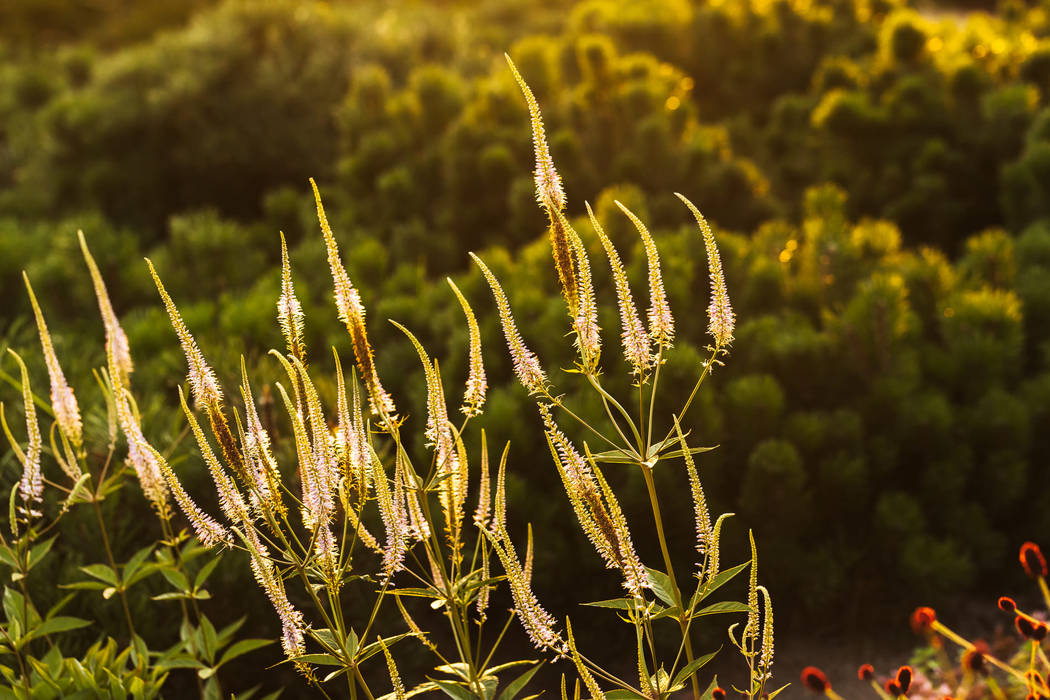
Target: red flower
814 679
1039 634
922 619
718 694
1024 627
1007 604
1032 560
893 688
904 679
866 672
974 658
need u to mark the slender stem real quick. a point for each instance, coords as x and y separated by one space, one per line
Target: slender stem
696 388
557 402
652 393
361 680
113 565
654 501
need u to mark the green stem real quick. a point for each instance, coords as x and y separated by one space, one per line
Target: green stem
113 565
654 501
696 388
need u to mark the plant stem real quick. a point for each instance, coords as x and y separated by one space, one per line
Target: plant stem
654 501
113 565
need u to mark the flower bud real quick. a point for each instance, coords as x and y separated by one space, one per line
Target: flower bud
1007 604
1032 560
904 675
922 619
866 672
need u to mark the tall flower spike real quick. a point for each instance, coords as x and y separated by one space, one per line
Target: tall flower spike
395 677
661 323
703 517
634 574
352 314
751 632
549 191
526 364
635 340
117 349
205 387
474 396
63 401
765 659
481 520
394 516
289 310
551 197
588 334
439 435
31 485
261 465
721 319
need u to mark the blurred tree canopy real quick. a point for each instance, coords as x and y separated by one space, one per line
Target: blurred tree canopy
878 174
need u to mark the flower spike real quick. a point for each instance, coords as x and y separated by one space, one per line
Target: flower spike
721 319
661 323
31 486
526 364
205 387
117 349
63 401
474 396
635 340
289 310
352 314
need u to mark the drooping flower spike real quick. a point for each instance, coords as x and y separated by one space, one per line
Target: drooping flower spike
661 323
721 319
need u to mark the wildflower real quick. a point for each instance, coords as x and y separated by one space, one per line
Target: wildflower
893 688
31 485
289 310
117 348
974 659
474 396
765 659
208 530
63 401
585 673
661 323
1007 604
904 675
922 619
395 677
635 341
585 321
262 467
142 460
866 672
352 314
549 191
202 380
1032 560
1025 626
814 679
230 499
721 319
704 534
526 365
718 693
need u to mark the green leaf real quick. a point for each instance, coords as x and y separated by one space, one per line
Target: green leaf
326 637
211 638
618 457
518 684
717 581
683 675
692 451
456 669
205 572
726 606
418 592
39 552
710 689
778 691
134 570
102 573
454 690
176 578
56 625
84 585
374 648
78 487
243 647
320 659
615 603
623 695
662 586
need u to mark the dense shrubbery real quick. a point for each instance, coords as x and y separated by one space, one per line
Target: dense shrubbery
896 390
